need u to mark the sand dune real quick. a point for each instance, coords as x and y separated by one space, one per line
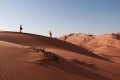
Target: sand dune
42 41
19 61
106 44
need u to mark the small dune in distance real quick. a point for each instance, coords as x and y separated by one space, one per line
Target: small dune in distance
26 56
107 45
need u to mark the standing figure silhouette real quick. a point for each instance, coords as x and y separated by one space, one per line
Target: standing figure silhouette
65 37
21 28
50 33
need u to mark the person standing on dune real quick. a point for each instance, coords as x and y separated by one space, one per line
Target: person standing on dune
65 37
50 33
21 28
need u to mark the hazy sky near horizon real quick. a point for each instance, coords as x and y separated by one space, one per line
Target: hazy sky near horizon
60 16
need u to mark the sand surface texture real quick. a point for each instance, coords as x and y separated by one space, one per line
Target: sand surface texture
20 59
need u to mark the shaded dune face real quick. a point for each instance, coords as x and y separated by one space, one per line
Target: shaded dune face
46 42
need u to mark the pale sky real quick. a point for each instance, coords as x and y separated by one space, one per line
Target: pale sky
60 16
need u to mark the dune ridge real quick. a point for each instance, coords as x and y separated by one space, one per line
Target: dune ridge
40 41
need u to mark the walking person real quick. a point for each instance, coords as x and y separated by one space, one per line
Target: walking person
21 28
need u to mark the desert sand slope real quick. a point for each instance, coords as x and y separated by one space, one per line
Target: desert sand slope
18 63
107 45
42 41
21 62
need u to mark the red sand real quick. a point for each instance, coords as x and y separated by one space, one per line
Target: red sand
107 45
19 62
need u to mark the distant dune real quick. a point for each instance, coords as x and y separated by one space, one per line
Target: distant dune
107 45
22 58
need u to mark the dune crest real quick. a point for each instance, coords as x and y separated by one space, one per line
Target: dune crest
33 40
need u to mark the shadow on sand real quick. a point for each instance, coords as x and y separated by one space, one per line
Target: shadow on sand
69 67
